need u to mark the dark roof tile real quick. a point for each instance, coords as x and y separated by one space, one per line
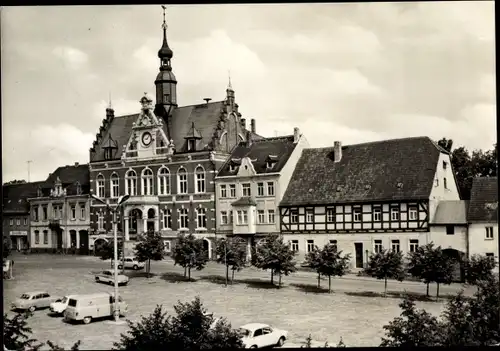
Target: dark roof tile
70 177
386 170
15 196
484 200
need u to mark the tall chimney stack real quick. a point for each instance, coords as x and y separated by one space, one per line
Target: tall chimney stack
252 125
296 135
249 138
337 151
243 123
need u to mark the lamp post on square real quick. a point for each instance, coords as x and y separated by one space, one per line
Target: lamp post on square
121 200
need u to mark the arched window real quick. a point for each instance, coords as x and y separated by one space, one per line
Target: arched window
131 183
163 181
100 186
147 182
183 219
114 183
201 218
167 219
182 181
200 179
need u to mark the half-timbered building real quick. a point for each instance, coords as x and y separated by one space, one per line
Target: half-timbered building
60 211
165 157
483 217
366 197
251 184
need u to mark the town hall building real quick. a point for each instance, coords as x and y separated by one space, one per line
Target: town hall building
165 157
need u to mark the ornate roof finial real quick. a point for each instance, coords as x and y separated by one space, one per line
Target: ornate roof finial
229 86
165 51
164 25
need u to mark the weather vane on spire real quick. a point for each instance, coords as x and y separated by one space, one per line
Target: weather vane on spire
164 25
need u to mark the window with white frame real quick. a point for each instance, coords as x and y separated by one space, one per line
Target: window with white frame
261 216
82 211
413 245
245 189
201 217
294 244
25 221
34 214
100 221
73 211
147 182
167 245
294 216
377 246
100 186
167 219
223 190
260 189
489 233
44 213
18 221
333 243
394 213
377 214
309 215
182 181
224 218
115 185
37 237
270 188
310 245
412 213
270 216
395 246
232 190
164 181
131 183
356 211
46 237
200 179
183 218
242 217
330 215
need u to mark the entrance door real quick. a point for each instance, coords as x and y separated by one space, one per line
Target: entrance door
358 247
59 234
150 226
84 242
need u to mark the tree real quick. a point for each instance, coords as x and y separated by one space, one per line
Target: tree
150 247
386 265
275 255
232 253
313 260
466 321
106 251
332 263
479 268
16 334
189 253
15 181
192 328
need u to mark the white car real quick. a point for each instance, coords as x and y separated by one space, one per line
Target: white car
60 305
131 263
259 335
108 277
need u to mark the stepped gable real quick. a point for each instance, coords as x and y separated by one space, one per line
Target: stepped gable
397 169
484 200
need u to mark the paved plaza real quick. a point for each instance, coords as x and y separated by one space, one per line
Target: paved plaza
348 312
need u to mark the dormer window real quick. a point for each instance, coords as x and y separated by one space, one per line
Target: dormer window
269 164
271 160
78 188
108 154
192 137
39 192
191 145
232 167
109 147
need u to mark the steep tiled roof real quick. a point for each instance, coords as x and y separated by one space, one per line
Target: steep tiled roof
394 169
15 197
451 212
279 148
70 176
483 200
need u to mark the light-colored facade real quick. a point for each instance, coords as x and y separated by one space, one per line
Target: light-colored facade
364 198
252 183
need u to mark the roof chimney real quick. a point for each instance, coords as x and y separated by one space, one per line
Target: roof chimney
249 139
296 134
207 100
252 125
337 151
243 123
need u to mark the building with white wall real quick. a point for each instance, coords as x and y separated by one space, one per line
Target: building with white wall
251 184
366 197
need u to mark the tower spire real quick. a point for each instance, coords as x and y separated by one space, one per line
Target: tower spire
165 52
229 86
109 103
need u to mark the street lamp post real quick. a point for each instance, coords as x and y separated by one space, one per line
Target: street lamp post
121 200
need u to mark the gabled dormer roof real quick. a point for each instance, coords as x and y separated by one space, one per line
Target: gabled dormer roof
110 143
193 133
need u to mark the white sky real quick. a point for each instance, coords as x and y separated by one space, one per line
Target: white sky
348 72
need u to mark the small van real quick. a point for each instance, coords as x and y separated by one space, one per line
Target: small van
93 306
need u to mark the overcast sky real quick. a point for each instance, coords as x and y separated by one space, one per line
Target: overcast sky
348 72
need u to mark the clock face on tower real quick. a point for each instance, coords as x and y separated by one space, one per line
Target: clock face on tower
146 138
